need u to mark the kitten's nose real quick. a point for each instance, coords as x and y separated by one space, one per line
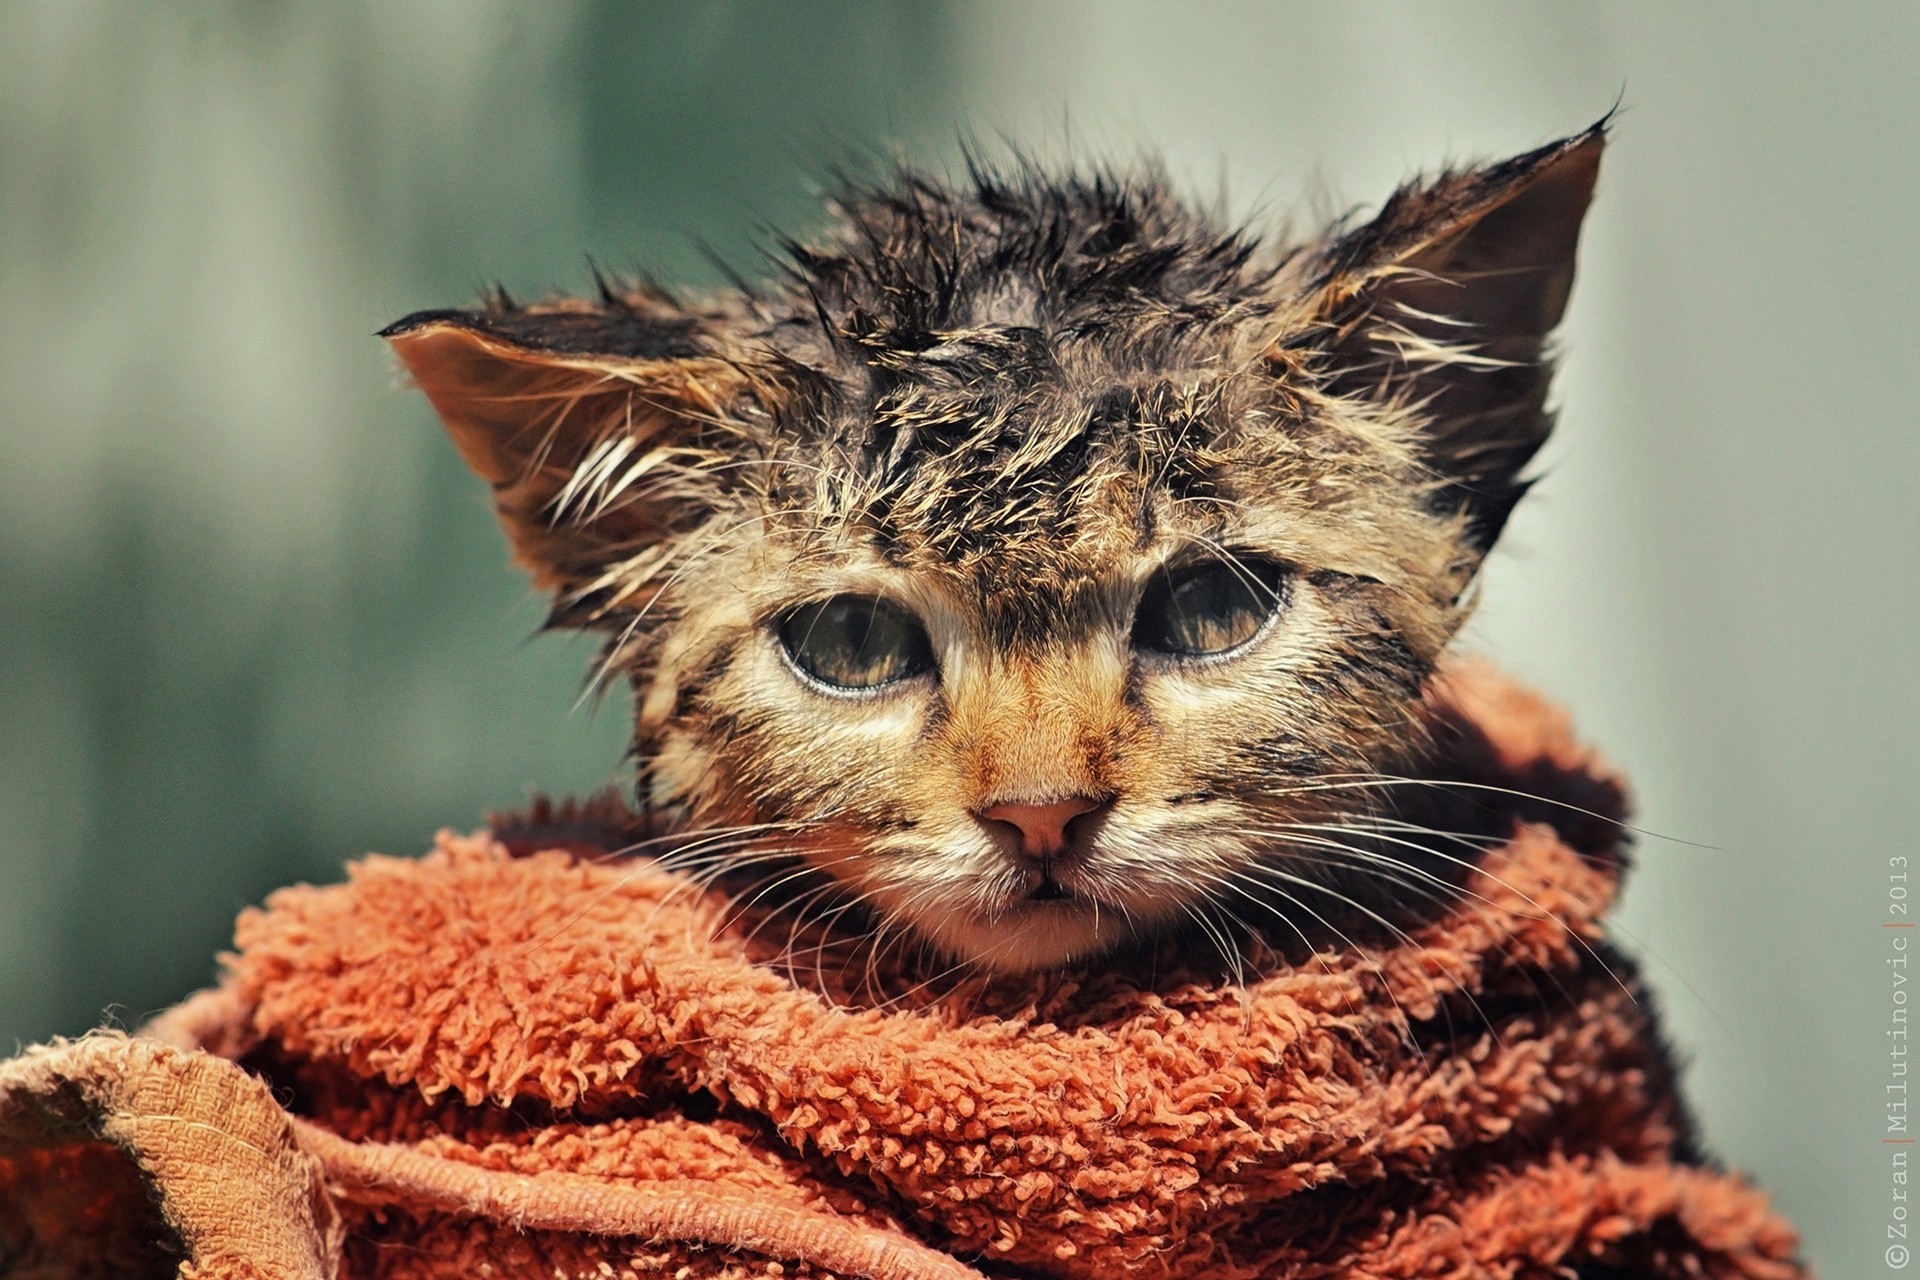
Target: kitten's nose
1042 827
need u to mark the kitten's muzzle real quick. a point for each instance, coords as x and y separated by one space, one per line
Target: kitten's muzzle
1045 829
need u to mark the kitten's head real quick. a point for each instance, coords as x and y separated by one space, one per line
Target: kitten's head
1026 551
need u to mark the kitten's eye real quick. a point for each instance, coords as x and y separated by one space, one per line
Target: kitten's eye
1209 608
855 642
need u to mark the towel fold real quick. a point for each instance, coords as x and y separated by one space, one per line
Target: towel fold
529 1054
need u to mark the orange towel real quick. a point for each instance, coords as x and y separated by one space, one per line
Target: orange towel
503 1063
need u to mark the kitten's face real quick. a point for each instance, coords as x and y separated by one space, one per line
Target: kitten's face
1035 556
1060 711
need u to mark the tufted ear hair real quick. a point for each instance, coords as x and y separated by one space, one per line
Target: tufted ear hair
1444 302
593 427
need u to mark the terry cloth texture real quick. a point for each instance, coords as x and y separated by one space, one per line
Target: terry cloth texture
522 1056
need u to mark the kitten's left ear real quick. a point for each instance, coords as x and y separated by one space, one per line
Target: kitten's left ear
1444 303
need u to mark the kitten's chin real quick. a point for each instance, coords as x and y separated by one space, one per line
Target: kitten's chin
1025 936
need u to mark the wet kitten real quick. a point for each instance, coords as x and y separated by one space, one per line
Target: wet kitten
1031 556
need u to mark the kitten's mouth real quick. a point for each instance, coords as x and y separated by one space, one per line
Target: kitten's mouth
1048 890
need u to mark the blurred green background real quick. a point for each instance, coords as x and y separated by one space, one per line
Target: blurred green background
254 617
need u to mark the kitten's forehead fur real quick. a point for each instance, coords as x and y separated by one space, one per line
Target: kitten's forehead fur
1028 381
1005 404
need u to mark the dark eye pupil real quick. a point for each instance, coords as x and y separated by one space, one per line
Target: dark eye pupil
855 642
1209 609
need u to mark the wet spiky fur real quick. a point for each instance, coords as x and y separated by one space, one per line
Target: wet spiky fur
1005 405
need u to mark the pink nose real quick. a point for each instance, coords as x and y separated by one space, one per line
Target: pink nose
1042 827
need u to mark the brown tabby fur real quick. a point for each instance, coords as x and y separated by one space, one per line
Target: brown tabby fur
1005 405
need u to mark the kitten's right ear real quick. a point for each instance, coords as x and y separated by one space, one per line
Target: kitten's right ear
590 426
